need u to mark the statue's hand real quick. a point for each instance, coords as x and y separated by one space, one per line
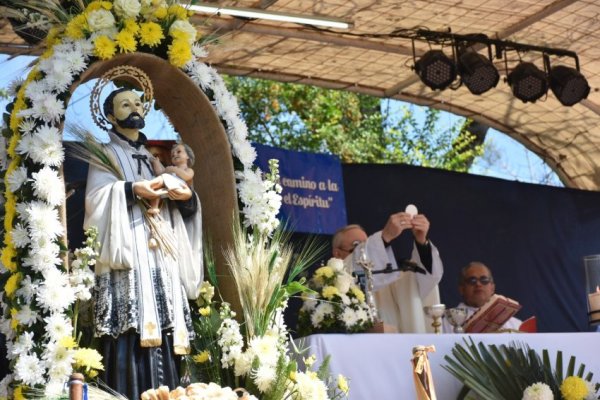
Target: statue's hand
180 193
144 190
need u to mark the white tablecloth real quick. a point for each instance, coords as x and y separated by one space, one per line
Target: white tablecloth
378 365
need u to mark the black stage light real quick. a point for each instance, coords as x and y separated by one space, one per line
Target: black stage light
477 72
528 83
436 70
568 85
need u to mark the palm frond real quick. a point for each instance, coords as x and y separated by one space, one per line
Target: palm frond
504 372
88 149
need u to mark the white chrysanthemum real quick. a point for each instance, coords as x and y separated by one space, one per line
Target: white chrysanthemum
26 316
75 60
309 387
47 107
28 289
127 8
245 152
7 330
55 294
345 299
265 348
59 76
227 104
17 178
14 86
100 19
27 126
30 370
43 258
55 388
538 391
263 377
349 317
321 311
20 236
592 392
184 27
57 356
201 74
57 327
42 220
199 51
243 364
237 130
4 384
23 345
49 186
85 47
363 314
37 90
309 303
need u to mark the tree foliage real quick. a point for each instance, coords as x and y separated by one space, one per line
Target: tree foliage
353 126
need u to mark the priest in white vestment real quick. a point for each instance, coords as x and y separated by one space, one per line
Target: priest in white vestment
400 296
141 312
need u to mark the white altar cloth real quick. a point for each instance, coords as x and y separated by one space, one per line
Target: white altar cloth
378 365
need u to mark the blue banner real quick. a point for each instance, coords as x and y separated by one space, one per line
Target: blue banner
313 190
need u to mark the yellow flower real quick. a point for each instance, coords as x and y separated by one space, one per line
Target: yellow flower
180 53
161 13
177 11
360 296
205 311
131 26
8 252
310 360
126 41
48 53
151 34
325 272
330 291
87 361
202 357
67 342
342 384
18 393
97 5
104 48
12 284
293 376
75 28
14 322
53 37
573 388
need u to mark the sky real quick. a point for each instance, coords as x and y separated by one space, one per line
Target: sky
510 160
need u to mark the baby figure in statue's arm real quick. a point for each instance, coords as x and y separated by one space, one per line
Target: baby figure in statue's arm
182 158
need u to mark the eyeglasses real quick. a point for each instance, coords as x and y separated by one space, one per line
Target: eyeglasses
472 281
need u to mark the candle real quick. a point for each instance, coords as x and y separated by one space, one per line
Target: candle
594 300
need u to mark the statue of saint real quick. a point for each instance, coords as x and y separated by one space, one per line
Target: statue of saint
141 311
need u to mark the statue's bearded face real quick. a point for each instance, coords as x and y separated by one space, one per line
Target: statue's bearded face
128 110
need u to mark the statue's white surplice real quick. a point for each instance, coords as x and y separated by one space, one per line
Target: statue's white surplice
136 286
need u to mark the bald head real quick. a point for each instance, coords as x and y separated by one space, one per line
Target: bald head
344 240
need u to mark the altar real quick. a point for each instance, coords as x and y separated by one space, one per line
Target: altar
378 365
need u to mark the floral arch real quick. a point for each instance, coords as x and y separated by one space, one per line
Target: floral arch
157 38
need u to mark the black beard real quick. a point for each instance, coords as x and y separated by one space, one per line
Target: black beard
132 123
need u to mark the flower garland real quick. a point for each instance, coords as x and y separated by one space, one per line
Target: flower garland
38 293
